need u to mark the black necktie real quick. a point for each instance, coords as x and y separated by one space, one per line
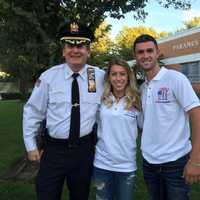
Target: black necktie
75 113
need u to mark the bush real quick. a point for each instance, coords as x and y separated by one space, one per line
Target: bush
10 96
4 77
14 96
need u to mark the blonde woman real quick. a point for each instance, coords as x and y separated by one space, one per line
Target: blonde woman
115 157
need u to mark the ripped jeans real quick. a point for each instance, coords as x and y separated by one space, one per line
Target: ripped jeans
112 185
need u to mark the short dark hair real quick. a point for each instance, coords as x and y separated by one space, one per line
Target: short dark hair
144 38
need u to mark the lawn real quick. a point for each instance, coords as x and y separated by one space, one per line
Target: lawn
12 148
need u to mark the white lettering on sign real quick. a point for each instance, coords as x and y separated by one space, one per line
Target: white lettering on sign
185 45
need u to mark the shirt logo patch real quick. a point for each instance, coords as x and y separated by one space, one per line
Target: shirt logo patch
163 95
131 113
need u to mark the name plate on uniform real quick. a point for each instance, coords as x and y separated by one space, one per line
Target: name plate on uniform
91 79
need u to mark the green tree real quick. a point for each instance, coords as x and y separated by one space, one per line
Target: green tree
127 35
103 40
192 23
103 49
99 9
27 38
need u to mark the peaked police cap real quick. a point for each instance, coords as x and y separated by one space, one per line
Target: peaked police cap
75 32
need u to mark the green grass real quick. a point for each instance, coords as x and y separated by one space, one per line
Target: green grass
12 148
11 133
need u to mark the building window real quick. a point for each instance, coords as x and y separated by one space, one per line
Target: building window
192 71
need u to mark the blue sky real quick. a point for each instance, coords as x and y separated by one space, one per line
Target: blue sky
159 18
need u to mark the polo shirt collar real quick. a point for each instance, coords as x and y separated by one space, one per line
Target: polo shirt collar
159 75
114 99
68 72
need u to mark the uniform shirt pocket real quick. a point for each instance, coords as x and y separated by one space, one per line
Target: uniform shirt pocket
56 97
89 107
59 104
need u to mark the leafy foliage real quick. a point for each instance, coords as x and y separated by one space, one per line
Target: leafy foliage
127 35
95 11
103 49
192 23
27 38
184 4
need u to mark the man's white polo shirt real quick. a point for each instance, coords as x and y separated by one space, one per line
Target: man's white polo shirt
165 101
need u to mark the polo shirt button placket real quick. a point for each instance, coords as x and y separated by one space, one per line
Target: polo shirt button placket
149 90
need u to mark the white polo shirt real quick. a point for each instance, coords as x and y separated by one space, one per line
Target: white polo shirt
165 101
51 100
117 133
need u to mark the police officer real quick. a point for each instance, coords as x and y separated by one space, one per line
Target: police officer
67 96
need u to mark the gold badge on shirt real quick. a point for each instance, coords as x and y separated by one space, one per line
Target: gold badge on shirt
91 79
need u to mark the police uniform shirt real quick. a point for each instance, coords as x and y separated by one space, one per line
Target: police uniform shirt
166 99
51 99
117 133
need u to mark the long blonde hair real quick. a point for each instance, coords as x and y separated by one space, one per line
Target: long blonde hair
131 91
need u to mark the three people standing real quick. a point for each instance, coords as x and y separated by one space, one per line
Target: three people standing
68 96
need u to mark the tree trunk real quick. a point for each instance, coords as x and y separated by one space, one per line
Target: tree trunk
23 88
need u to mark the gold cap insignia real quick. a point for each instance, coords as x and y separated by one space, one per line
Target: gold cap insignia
74 27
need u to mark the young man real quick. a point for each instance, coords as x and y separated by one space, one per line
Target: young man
63 95
170 162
